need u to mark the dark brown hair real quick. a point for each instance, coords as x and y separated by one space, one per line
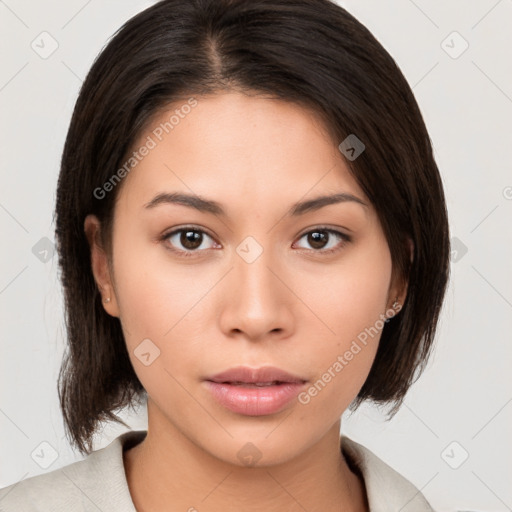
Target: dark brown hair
311 52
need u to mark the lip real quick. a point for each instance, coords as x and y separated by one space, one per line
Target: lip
253 375
236 389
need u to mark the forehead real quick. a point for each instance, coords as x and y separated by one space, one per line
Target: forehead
237 148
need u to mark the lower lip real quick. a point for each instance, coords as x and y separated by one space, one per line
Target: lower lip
254 401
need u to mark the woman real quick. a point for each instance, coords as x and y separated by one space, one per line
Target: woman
253 237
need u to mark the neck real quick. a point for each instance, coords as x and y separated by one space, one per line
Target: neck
167 471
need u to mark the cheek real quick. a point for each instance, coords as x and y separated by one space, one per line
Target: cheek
350 301
160 322
350 296
161 302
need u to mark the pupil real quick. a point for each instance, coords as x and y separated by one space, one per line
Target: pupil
191 239
317 239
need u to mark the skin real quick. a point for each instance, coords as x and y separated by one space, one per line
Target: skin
294 307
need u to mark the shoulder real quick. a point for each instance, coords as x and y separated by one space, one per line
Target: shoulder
386 489
96 483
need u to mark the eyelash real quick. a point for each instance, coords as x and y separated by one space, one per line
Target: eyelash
192 253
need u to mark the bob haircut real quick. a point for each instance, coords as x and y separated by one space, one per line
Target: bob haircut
309 52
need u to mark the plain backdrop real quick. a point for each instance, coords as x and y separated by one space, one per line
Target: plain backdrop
452 436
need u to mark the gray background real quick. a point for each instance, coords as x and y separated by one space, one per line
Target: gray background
449 438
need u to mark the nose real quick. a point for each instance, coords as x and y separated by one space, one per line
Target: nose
256 303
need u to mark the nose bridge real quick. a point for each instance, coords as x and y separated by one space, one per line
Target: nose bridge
255 281
257 302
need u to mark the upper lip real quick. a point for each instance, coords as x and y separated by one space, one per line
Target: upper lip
264 374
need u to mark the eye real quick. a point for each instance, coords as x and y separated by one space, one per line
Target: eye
325 240
188 240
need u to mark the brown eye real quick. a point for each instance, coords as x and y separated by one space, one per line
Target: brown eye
191 239
323 240
188 240
318 239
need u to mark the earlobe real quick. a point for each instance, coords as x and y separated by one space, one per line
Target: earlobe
403 291
399 292
99 265
410 245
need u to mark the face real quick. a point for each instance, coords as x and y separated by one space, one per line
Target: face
251 280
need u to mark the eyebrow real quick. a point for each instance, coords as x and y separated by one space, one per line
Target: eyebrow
210 206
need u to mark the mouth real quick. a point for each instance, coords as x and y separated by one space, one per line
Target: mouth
254 384
254 391
264 376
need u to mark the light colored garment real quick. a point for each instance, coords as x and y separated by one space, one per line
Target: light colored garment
98 483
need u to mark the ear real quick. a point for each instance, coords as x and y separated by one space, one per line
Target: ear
399 287
99 264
